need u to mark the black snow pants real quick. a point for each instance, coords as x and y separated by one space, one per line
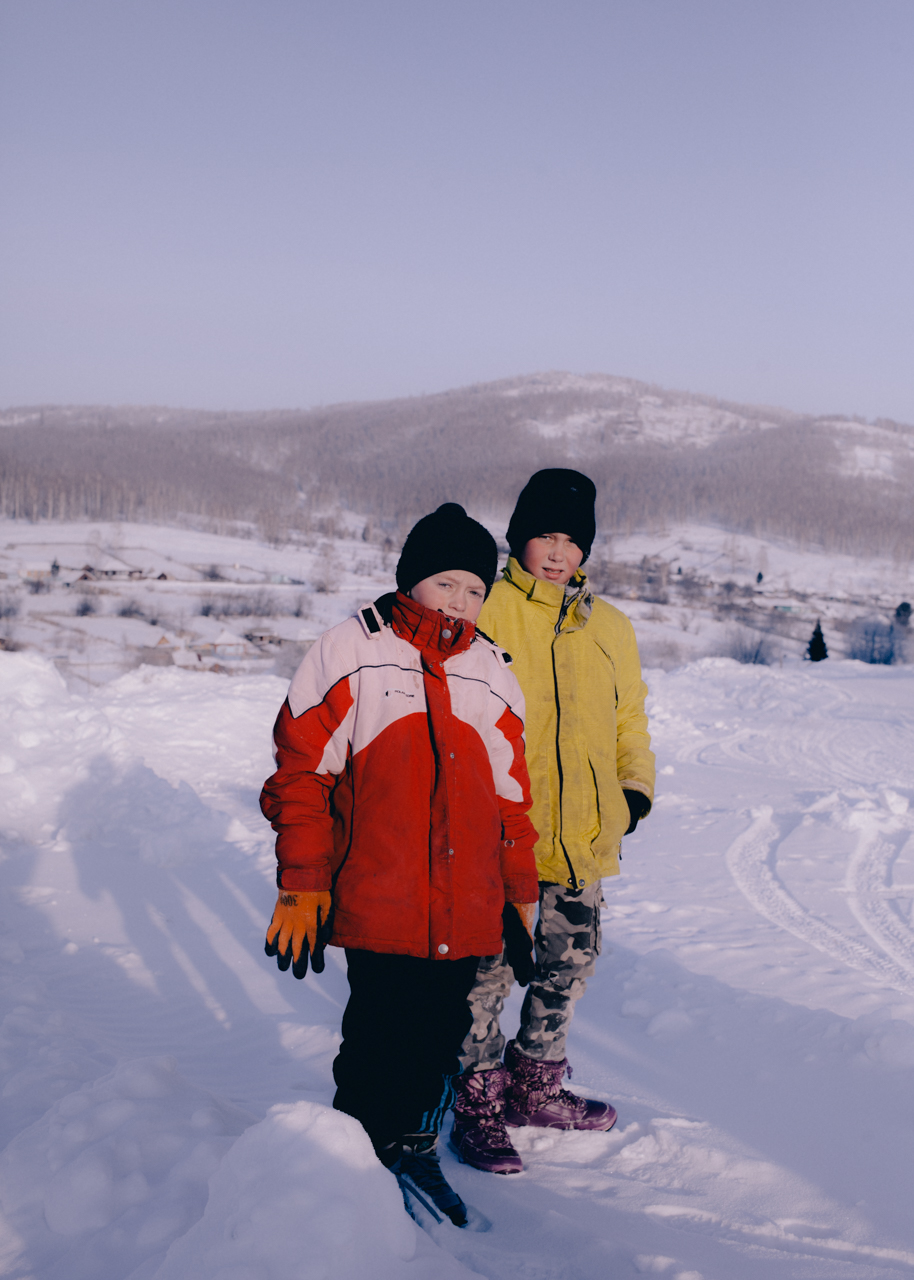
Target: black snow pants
402 1033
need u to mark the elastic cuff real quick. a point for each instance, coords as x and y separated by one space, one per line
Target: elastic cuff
629 784
302 880
522 889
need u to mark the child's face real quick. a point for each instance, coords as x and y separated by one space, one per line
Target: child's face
554 557
456 592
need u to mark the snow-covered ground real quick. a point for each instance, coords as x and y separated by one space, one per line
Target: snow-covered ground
100 599
166 1090
696 591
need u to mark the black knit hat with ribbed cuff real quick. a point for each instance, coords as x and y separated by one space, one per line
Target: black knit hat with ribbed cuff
447 539
554 501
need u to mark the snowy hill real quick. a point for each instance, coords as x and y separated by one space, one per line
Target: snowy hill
166 1090
622 409
561 404
657 456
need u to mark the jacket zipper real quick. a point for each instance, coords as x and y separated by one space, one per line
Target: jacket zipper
558 758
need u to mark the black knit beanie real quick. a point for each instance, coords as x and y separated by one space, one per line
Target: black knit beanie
447 539
554 501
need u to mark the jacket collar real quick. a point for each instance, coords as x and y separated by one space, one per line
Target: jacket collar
570 606
538 589
430 630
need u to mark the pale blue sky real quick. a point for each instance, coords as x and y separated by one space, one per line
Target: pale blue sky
258 203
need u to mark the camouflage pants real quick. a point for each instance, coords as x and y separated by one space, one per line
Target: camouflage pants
567 945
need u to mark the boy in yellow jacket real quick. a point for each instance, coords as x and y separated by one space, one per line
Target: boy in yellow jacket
592 778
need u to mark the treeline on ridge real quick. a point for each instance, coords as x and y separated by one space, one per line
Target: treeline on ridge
393 461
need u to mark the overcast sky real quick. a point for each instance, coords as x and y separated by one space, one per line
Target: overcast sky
260 203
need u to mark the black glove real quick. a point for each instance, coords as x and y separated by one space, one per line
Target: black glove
518 946
638 806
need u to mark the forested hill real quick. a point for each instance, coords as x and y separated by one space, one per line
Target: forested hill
656 456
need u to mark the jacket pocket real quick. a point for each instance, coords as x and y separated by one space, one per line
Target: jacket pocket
612 811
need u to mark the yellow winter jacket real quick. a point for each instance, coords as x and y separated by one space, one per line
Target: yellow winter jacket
577 664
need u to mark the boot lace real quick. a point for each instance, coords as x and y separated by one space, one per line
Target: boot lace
568 1099
495 1130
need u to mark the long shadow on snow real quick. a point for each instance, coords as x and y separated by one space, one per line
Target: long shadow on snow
185 973
45 1052
178 969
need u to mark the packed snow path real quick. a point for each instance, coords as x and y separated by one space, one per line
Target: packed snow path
166 1089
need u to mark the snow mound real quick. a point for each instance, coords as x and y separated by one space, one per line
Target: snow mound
113 1173
302 1193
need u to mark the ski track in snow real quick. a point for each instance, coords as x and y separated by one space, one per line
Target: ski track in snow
826 744
868 874
772 1236
750 859
166 1091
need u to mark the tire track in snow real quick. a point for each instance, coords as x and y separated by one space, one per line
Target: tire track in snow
748 863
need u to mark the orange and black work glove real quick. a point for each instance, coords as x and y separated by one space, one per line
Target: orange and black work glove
517 927
300 925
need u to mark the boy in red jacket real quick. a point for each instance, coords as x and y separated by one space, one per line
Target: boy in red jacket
400 804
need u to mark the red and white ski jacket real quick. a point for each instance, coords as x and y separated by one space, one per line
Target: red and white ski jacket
401 783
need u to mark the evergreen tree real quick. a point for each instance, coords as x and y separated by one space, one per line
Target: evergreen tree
817 649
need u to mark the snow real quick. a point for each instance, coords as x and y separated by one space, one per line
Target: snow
799 587
637 411
788 571
237 605
620 410
298 590
167 1091
113 1170
302 1193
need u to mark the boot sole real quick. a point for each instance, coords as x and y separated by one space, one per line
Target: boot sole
517 1120
505 1173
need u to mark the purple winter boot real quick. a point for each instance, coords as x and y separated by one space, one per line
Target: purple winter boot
535 1096
479 1136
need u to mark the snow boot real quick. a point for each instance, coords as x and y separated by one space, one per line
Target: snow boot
414 1162
479 1136
535 1096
